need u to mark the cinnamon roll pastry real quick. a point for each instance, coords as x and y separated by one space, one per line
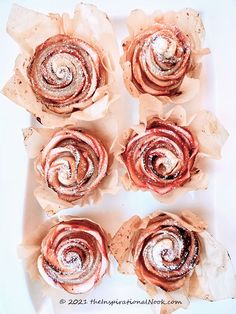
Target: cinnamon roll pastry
73 163
161 55
65 72
74 255
66 69
162 158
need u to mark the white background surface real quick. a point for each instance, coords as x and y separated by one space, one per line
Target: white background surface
20 213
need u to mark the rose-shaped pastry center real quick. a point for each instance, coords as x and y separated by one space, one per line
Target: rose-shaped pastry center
160 58
162 158
65 71
73 163
166 253
164 48
73 255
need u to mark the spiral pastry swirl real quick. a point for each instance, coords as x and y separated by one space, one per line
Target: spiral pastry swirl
73 163
65 72
165 253
162 158
160 57
73 255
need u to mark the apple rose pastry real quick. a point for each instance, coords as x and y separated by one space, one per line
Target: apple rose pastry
159 58
66 71
161 52
165 153
74 256
161 159
74 165
165 253
172 257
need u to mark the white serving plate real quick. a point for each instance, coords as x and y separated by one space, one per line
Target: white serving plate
21 213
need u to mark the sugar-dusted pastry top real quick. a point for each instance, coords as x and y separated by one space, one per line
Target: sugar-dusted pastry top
165 253
162 158
74 255
64 71
72 163
160 56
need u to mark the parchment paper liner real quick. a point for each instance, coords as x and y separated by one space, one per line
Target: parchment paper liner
104 129
212 279
190 23
30 28
30 249
204 125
